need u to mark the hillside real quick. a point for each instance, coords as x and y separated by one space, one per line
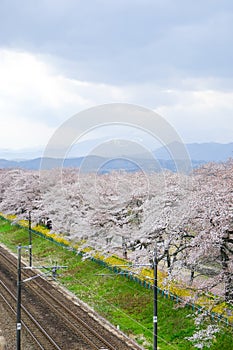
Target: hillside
199 153
203 152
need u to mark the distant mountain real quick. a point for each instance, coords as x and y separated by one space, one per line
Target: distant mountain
79 149
207 152
202 152
95 164
199 154
35 164
91 163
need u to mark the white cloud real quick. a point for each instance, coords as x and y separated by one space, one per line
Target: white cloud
201 116
35 98
26 77
18 132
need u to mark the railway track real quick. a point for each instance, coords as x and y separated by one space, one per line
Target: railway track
71 326
38 333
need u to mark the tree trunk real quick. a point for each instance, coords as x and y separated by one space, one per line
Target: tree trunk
228 278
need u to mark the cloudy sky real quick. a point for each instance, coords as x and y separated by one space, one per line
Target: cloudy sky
60 57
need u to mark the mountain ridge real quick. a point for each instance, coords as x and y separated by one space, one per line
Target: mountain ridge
199 154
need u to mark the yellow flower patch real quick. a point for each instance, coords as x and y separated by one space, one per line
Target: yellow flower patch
86 249
115 260
42 229
11 217
23 223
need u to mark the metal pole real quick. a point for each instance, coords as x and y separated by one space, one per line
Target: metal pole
30 238
18 321
155 318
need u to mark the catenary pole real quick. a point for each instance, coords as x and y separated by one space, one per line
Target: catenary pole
18 321
30 237
155 318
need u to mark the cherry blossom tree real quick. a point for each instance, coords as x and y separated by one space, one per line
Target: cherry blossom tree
211 223
20 191
189 217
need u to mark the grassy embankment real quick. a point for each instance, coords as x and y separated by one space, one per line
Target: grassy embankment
122 302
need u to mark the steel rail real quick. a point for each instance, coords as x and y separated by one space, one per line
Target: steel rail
32 319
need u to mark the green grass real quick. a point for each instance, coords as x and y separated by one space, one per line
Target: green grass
119 300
